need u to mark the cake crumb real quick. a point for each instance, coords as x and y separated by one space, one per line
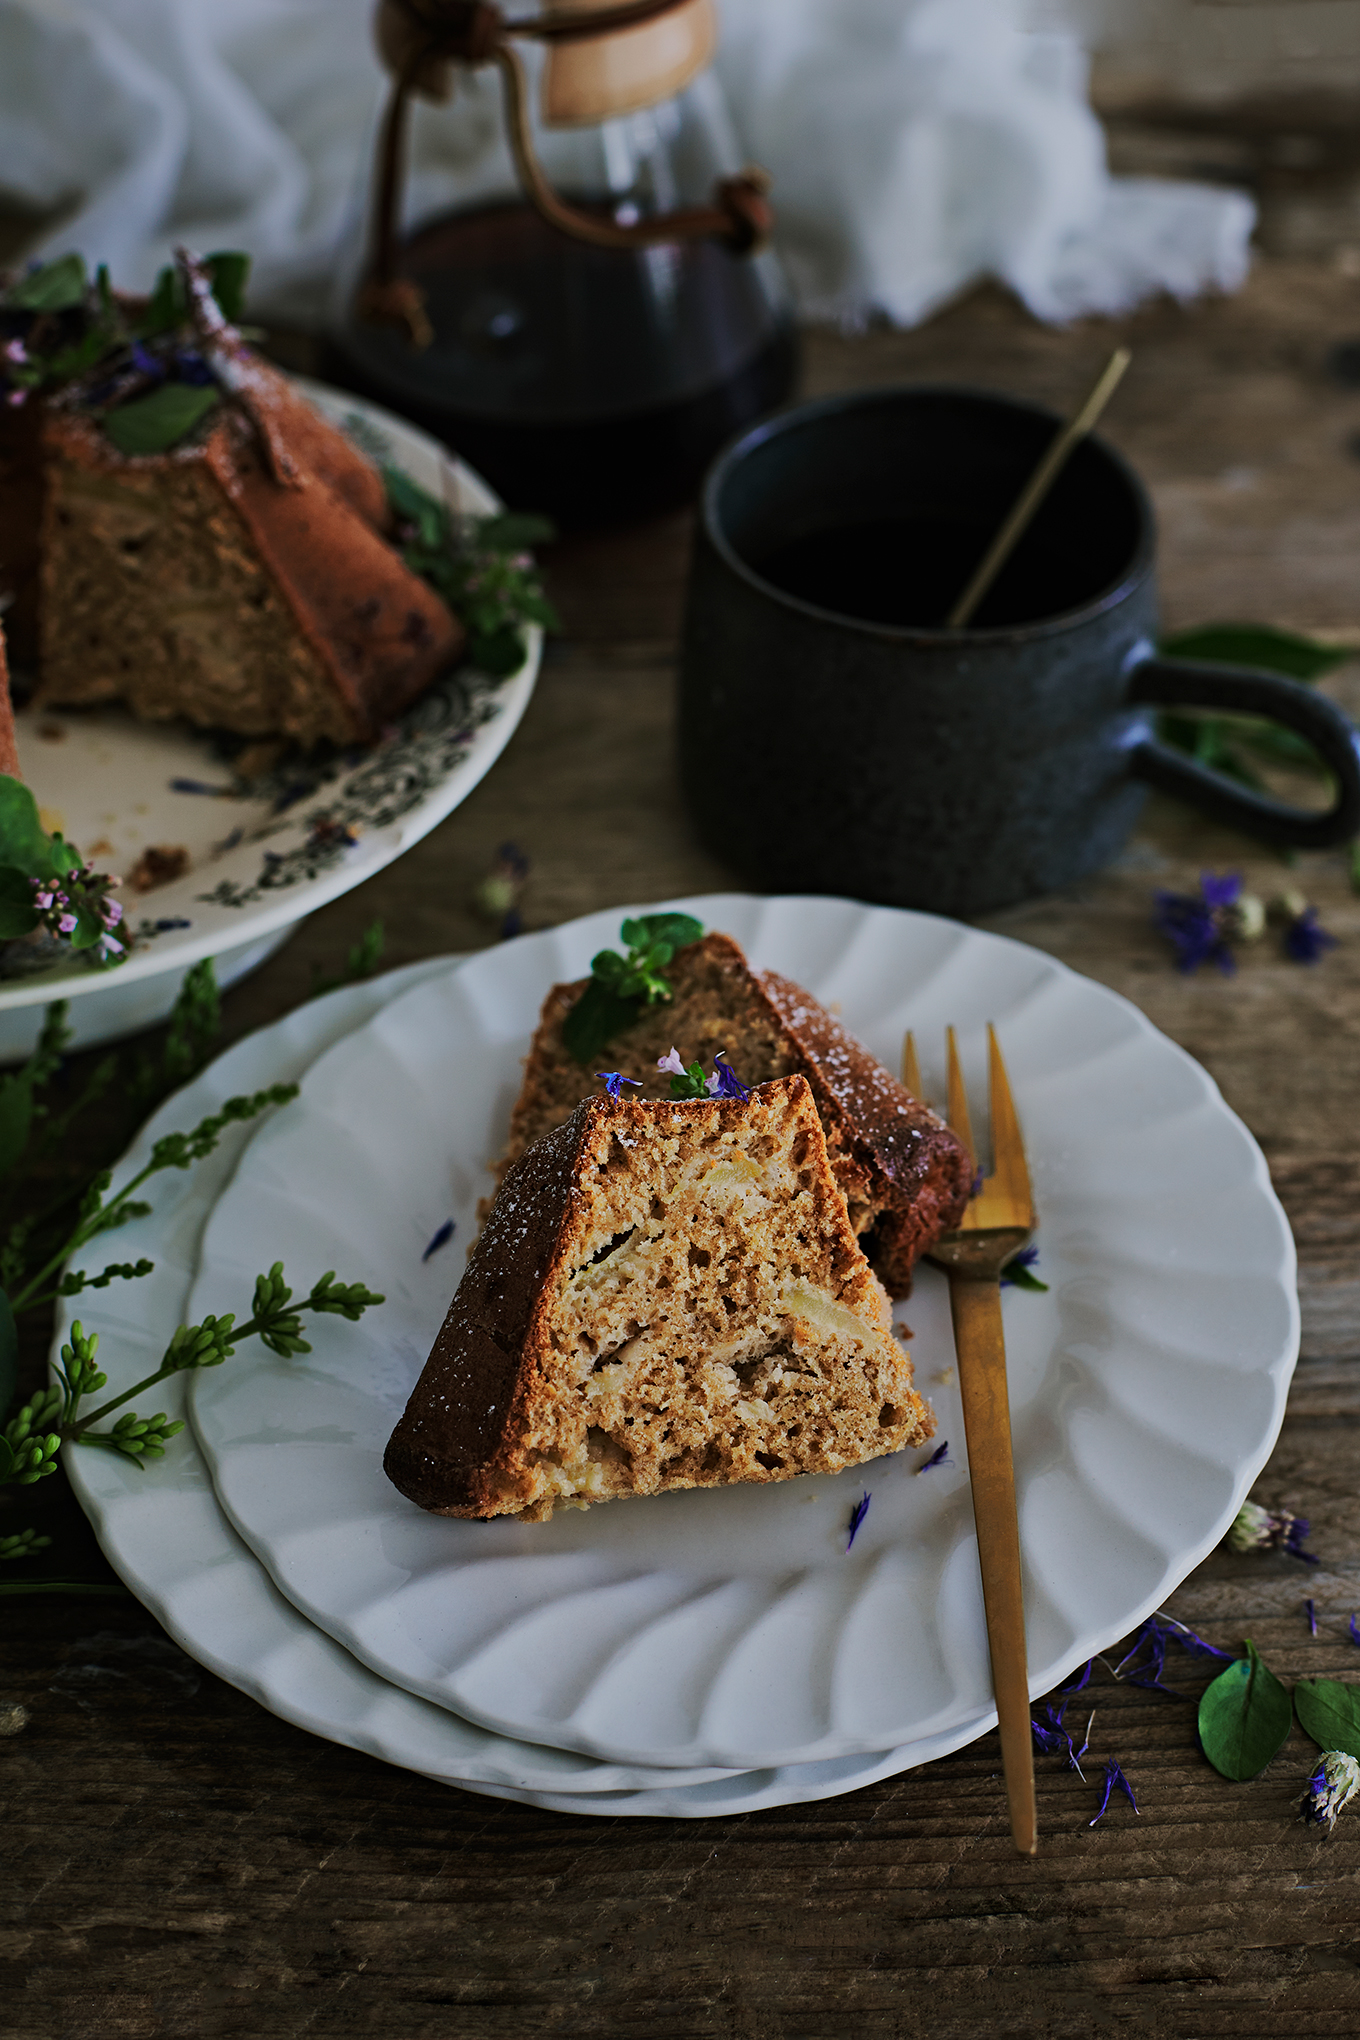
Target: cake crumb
159 864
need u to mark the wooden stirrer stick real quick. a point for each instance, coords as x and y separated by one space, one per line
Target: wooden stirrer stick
1036 488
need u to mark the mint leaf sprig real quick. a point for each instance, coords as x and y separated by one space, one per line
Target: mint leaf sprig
621 988
481 566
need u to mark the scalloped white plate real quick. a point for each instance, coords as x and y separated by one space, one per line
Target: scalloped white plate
729 1627
257 865
168 1538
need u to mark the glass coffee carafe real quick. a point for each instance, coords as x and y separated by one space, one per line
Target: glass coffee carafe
591 381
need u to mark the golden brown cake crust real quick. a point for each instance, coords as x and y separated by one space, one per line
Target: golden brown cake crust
665 1295
906 1177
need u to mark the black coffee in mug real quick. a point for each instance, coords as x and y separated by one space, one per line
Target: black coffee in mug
835 736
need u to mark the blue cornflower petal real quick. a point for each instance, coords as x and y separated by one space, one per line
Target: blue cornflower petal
1311 1611
857 1515
1115 1781
939 1457
614 1081
1355 1633
441 1239
1304 940
1220 892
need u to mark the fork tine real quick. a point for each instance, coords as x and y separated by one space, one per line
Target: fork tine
911 1069
958 1096
1010 1172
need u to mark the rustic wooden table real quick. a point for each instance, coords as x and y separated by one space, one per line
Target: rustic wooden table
183 1864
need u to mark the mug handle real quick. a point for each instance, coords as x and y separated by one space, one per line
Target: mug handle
1192 683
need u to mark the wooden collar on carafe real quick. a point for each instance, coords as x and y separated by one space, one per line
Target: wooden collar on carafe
604 60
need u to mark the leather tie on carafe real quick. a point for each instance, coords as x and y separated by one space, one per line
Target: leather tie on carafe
420 40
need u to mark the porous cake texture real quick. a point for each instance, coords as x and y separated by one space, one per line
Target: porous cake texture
905 1176
243 580
665 1295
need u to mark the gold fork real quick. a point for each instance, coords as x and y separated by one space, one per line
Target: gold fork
998 1222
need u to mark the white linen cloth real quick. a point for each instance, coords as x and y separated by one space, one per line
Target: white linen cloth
916 145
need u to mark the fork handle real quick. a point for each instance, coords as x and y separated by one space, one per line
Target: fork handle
981 1348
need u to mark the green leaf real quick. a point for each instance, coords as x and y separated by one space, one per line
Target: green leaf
18 915
168 307
228 271
498 653
1022 1278
154 423
55 287
1258 645
415 505
677 929
1244 1717
9 1358
1330 1713
598 1015
24 843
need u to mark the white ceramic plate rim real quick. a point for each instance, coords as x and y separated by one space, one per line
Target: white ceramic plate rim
211 1594
564 950
215 929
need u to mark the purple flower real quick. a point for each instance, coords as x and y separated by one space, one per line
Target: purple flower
1312 1618
41 900
441 1239
1115 1781
1355 1633
1221 892
937 1458
1304 940
1256 1529
15 352
145 362
614 1079
108 947
66 925
1332 1786
16 398
1197 925
112 911
673 1063
724 1082
857 1515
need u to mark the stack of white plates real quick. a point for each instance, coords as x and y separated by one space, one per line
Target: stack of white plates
717 1651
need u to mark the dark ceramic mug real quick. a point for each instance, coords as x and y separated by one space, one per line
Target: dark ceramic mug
835 737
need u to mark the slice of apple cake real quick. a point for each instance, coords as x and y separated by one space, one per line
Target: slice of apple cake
666 1294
